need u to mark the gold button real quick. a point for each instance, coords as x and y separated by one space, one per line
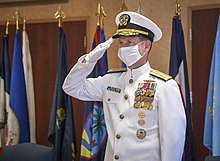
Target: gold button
116 157
141 133
131 81
109 99
141 114
122 116
118 136
126 97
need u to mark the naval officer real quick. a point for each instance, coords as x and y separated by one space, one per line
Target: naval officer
143 109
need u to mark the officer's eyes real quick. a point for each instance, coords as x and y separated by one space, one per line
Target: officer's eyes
127 43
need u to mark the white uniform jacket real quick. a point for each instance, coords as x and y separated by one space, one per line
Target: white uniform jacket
154 133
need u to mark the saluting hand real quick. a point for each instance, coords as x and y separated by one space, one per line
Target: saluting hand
98 51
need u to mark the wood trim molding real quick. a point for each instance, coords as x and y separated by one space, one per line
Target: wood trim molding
7 3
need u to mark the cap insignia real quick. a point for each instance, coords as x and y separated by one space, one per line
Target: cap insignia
124 19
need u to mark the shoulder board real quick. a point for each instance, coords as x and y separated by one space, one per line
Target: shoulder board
160 75
117 70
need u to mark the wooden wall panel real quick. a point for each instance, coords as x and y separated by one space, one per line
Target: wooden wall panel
204 26
43 39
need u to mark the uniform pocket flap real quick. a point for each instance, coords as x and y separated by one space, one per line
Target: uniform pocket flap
112 97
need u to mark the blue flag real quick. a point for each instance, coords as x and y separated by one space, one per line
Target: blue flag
178 70
212 116
18 121
61 129
5 78
94 135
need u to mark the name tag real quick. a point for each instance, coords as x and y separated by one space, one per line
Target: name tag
114 89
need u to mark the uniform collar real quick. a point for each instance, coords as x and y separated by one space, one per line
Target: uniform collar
135 73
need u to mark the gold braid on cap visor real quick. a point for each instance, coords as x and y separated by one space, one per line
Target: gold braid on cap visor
128 32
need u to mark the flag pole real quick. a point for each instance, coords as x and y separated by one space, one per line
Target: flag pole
17 18
103 15
98 14
24 22
178 9
123 6
139 9
60 16
7 25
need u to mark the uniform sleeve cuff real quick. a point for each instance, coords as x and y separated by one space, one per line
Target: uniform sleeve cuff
83 60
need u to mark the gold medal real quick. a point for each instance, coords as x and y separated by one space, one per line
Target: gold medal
141 114
141 122
150 107
141 98
137 98
151 94
144 95
137 105
146 106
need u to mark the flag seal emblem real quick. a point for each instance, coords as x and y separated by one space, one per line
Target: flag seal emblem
61 115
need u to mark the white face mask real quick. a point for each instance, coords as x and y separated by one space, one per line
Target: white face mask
129 55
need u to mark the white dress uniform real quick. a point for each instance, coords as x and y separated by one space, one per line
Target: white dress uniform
144 114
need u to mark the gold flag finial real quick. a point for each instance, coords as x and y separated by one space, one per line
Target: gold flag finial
103 15
123 6
139 9
7 25
17 18
98 14
24 22
178 9
60 16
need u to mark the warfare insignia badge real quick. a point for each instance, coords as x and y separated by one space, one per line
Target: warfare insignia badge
124 20
144 95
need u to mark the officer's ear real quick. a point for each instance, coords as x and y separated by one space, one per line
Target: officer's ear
148 45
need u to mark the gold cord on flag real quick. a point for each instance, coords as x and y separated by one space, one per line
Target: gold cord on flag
60 16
